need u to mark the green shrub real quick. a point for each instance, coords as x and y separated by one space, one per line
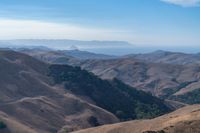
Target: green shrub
2 125
93 121
65 131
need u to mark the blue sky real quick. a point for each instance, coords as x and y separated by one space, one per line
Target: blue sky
141 22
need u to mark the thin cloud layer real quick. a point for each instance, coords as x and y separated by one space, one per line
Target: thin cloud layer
184 3
26 29
33 29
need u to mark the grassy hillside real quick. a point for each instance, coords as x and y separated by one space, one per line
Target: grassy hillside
161 80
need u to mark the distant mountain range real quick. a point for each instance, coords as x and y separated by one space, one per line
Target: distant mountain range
167 57
60 56
86 55
159 56
64 43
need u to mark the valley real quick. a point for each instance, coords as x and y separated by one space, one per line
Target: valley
65 93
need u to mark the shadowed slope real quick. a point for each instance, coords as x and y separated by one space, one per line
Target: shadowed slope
114 96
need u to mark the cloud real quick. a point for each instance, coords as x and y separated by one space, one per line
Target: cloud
184 3
31 29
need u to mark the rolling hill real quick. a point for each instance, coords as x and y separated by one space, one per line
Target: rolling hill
167 57
168 75
41 97
84 55
29 103
133 104
167 81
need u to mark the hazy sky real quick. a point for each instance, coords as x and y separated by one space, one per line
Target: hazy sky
141 22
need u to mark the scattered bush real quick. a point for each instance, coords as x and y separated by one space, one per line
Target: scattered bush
93 121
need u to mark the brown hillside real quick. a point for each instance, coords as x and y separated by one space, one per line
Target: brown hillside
184 120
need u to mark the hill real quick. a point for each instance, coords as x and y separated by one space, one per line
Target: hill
167 57
53 56
40 97
167 81
184 120
30 104
133 104
62 56
83 55
175 78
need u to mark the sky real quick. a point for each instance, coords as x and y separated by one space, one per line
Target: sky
140 22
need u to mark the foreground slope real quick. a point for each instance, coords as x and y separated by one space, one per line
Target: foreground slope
184 120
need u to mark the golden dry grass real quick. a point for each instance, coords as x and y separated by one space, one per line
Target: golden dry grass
169 123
